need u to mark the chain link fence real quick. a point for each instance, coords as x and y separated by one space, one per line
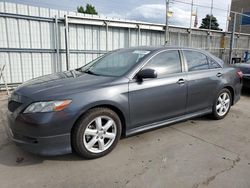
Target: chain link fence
36 41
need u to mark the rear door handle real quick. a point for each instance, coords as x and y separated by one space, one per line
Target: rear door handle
219 74
181 81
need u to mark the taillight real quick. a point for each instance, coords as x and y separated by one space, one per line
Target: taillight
240 74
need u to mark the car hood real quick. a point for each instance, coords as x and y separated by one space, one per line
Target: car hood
61 84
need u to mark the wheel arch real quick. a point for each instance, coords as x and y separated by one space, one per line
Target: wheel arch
230 88
113 107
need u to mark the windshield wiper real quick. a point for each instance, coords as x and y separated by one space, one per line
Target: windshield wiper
90 72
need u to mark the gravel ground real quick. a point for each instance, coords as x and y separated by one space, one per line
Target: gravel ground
195 153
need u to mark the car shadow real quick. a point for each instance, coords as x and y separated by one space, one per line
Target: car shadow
11 155
245 92
202 118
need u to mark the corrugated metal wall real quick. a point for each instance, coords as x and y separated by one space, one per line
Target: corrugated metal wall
32 39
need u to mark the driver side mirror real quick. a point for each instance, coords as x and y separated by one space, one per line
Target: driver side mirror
146 73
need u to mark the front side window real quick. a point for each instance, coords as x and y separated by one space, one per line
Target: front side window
116 63
165 63
214 64
196 60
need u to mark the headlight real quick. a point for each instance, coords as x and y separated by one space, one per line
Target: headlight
49 106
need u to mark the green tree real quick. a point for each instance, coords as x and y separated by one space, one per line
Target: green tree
90 9
206 23
80 9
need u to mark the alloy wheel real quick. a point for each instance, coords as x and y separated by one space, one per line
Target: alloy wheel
223 104
99 134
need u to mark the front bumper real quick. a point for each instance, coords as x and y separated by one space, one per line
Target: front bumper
43 134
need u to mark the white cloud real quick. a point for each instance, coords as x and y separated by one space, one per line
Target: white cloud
155 13
180 17
148 12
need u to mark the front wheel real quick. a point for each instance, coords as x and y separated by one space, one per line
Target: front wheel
222 104
96 133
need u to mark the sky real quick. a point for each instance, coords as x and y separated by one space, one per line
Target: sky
144 10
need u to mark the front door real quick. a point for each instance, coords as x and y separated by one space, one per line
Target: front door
160 98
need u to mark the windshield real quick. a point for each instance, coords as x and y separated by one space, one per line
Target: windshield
115 63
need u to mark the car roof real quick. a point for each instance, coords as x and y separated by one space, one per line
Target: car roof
158 48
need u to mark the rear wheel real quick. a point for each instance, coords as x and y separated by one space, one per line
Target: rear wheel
96 133
222 104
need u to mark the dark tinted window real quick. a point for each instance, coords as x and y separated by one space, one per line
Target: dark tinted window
214 64
165 63
196 61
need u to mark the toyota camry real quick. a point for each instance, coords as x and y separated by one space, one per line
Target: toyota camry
121 93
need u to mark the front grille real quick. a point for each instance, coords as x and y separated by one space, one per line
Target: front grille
13 105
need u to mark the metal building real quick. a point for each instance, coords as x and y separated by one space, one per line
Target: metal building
242 23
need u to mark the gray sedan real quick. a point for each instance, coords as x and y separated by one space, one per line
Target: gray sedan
123 92
245 68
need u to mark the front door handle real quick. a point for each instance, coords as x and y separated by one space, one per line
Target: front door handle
219 74
181 81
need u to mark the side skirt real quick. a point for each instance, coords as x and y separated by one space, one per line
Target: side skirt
166 122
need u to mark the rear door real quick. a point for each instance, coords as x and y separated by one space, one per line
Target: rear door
160 98
203 80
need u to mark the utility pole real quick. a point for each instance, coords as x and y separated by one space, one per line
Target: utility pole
167 25
228 17
67 41
191 16
191 22
211 14
232 38
242 10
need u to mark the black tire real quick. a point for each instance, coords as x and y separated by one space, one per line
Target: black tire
215 113
79 128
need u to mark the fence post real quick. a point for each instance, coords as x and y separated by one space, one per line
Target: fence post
139 34
57 66
67 41
179 38
248 46
237 38
222 45
128 37
232 39
208 41
190 37
107 35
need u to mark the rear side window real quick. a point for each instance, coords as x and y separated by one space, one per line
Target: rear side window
213 64
165 63
196 60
